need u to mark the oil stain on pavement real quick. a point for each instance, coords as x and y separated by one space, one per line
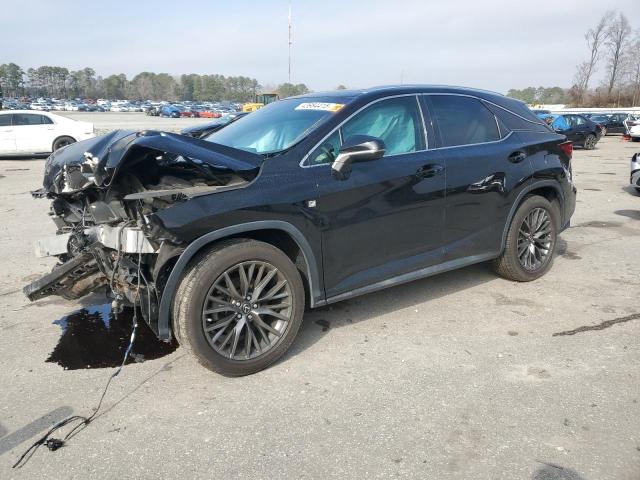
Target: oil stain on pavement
93 337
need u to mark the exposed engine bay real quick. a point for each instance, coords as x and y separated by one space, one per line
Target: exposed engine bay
105 194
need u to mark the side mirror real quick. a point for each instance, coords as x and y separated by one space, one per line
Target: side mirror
358 148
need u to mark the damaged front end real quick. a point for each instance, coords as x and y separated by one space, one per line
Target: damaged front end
105 193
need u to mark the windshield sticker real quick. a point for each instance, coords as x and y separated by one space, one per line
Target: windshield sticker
326 107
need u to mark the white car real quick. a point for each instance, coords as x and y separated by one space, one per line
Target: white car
39 106
634 132
26 132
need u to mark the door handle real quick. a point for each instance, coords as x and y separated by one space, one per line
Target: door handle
517 157
430 170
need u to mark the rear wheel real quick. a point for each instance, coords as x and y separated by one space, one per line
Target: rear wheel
62 142
590 142
531 241
239 307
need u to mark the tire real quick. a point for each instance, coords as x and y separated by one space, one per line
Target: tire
590 142
62 142
510 265
205 281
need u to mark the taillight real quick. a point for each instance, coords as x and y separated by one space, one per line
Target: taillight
567 147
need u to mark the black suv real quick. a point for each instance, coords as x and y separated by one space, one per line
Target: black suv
222 243
612 122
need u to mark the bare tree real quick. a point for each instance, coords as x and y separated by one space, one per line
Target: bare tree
617 41
595 37
634 69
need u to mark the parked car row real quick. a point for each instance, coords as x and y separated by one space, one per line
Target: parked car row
190 111
185 109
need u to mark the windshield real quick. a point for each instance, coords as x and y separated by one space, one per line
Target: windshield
279 125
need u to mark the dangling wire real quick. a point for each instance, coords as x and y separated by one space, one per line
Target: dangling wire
55 443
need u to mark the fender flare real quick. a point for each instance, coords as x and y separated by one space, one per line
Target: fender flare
516 204
164 310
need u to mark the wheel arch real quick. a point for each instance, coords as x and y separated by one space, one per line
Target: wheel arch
280 234
544 188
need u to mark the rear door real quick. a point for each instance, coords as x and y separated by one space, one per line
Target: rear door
7 135
617 123
34 132
386 219
485 163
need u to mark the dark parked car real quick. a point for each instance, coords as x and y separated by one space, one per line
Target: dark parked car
204 129
222 243
611 122
578 129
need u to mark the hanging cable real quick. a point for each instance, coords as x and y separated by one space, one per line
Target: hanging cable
55 443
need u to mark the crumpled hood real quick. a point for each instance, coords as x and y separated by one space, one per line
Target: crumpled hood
96 161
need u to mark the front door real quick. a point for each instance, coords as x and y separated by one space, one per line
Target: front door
34 132
7 136
386 219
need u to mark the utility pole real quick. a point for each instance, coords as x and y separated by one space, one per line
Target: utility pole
290 41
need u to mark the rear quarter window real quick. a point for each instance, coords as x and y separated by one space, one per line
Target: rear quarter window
516 122
5 120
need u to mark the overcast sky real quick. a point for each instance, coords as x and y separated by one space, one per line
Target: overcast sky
492 44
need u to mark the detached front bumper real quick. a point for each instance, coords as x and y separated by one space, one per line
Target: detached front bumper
100 260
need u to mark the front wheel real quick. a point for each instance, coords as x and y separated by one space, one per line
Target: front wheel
531 241
239 307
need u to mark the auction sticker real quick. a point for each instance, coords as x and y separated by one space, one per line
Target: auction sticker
325 107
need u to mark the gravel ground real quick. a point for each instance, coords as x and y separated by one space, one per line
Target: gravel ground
463 375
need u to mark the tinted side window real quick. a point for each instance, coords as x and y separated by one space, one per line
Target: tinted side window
5 120
463 120
396 121
28 119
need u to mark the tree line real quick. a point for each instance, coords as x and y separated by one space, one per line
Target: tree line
613 48
60 82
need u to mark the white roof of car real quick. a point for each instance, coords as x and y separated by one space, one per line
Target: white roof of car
39 112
